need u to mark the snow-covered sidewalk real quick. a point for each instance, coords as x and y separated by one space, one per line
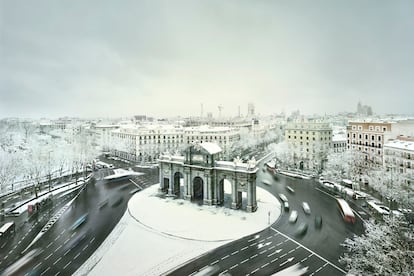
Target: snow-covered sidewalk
156 234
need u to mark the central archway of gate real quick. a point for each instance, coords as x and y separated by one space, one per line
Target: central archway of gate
200 175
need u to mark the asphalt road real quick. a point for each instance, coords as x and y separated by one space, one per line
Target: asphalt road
64 250
278 247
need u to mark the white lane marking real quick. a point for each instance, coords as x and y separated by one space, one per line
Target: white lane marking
59 247
283 255
264 251
268 237
225 257
57 238
60 258
304 259
319 269
254 238
66 241
262 240
86 246
37 266
213 263
67 265
244 248
235 252
338 268
57 273
253 244
66 253
44 271
254 256
254 271
276 251
234 266
270 248
48 256
263 266
77 255
242 262
92 240
73 234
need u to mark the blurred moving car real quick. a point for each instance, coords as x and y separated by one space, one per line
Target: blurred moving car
283 197
293 216
286 205
267 182
318 222
306 208
302 229
290 189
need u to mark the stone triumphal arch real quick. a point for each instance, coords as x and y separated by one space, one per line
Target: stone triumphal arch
204 174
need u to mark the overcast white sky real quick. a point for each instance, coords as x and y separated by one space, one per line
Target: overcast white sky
163 58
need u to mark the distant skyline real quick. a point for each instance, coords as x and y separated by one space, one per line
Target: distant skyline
166 58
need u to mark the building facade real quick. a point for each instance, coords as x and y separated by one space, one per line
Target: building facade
308 143
399 157
369 138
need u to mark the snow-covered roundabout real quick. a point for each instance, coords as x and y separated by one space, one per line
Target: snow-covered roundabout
158 234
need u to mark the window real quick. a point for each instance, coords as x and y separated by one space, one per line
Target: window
360 136
372 137
366 136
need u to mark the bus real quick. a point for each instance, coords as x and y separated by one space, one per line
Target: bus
345 210
7 229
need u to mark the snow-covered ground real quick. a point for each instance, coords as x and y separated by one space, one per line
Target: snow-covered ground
156 234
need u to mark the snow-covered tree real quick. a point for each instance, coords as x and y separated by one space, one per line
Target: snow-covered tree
393 186
386 248
347 164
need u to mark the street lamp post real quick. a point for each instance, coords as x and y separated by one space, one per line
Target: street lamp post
50 176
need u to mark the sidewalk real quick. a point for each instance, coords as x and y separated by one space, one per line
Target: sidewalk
156 234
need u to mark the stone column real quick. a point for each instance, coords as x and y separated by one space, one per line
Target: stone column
234 197
251 195
187 183
208 193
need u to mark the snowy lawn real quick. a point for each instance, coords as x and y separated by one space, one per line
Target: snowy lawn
158 234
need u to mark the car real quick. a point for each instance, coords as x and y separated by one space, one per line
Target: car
293 216
103 203
290 189
318 222
306 208
359 195
286 205
302 229
283 197
267 182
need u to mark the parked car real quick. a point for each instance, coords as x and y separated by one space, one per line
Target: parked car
306 208
293 216
359 195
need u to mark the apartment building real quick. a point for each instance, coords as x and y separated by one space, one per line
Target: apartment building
399 156
144 143
309 143
223 136
368 138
